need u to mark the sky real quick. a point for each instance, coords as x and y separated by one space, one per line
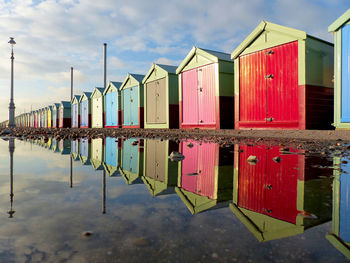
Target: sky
53 36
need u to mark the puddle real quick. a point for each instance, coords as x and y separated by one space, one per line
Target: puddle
114 200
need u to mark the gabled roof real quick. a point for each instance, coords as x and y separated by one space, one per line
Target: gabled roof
56 105
344 18
114 84
267 26
168 68
85 94
65 104
214 56
137 77
97 90
75 98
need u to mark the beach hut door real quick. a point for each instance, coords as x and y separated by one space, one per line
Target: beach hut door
345 74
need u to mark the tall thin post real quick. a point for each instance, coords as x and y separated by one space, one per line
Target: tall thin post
104 65
71 171
12 104
71 84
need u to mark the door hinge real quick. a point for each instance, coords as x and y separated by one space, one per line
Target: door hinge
267 210
270 52
270 76
269 119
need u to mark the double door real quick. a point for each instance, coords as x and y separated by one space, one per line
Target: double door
198 95
268 89
269 187
156 101
84 113
131 106
198 168
111 101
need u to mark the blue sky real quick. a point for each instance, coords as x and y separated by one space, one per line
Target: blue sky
53 35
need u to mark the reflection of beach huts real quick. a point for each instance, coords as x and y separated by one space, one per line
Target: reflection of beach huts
75 111
283 80
64 118
161 97
132 101
340 234
54 145
74 148
112 156
55 115
64 146
159 173
85 151
206 90
205 176
279 194
131 166
97 108
112 105
97 154
85 110
341 31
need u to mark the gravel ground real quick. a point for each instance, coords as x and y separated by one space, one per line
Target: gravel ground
320 141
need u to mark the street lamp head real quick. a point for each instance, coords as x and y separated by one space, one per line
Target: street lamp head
12 41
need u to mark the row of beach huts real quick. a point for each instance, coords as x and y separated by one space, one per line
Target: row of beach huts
277 78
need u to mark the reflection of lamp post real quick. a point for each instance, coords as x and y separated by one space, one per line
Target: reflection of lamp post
104 192
12 124
11 150
71 171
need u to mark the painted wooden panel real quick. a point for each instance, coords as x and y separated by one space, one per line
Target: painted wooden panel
97 149
134 106
189 97
268 91
126 107
111 100
198 169
345 73
60 118
97 115
75 116
84 113
84 147
206 94
282 86
161 101
54 118
151 107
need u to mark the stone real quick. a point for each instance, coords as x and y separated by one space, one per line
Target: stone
87 233
141 242
176 157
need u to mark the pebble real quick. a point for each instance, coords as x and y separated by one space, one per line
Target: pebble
214 255
141 242
87 233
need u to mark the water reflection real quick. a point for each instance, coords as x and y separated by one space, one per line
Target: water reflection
206 175
11 151
340 235
272 197
160 174
131 166
275 195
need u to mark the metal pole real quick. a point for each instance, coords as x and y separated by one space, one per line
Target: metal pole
71 172
71 84
12 104
104 64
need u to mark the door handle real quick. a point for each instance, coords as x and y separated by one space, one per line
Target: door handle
269 119
270 76
200 121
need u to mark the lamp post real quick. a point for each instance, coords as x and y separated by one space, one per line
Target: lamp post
12 124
